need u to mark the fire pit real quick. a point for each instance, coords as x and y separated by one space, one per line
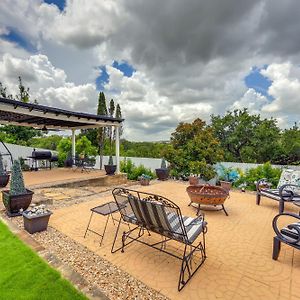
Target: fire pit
208 195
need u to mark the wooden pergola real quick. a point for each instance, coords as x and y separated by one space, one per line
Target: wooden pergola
13 112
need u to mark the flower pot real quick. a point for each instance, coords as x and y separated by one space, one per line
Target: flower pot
162 174
226 185
4 180
36 223
13 203
110 169
144 181
193 180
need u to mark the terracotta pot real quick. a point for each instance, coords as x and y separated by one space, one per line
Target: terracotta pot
162 174
34 224
13 203
4 180
110 169
226 185
193 180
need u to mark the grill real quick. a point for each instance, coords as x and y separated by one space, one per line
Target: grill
45 156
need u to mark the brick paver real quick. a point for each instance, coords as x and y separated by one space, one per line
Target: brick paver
239 249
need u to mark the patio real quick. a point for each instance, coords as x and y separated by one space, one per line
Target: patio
239 249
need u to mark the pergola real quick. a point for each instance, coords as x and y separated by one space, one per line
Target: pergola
13 112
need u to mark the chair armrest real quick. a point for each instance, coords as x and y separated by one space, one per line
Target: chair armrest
198 220
291 226
262 181
289 194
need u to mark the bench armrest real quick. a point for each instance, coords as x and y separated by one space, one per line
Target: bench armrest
291 226
262 181
288 193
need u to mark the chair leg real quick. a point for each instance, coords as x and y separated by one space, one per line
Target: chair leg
116 235
198 209
281 206
258 196
276 247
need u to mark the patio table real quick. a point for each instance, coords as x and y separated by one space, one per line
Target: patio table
106 209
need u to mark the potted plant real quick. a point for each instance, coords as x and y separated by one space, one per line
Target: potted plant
18 197
4 177
162 173
145 179
110 168
36 218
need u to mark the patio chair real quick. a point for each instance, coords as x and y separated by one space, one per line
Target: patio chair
289 235
154 213
288 189
84 164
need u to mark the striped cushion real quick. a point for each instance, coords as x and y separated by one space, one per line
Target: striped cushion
291 234
274 194
130 218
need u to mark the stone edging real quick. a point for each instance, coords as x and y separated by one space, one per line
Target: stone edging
66 271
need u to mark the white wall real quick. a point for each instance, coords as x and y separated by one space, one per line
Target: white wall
16 151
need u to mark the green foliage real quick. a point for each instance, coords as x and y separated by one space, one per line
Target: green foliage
24 275
194 149
17 186
133 172
142 149
245 137
83 146
163 164
249 179
23 95
2 171
47 142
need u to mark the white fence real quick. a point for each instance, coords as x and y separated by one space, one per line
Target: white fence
152 163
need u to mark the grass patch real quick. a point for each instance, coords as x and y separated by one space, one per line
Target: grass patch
24 275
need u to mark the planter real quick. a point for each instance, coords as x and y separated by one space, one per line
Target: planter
4 180
226 185
36 223
68 163
193 180
162 174
144 181
13 203
110 169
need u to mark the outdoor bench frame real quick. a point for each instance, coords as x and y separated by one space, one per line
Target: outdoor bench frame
154 213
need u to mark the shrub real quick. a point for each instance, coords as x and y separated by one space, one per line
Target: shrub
133 172
251 176
17 186
2 171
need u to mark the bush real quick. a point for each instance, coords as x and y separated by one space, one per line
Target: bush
251 176
133 172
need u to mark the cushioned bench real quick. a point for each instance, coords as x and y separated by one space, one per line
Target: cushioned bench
289 235
288 189
154 213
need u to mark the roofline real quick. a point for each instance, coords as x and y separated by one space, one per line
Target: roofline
58 111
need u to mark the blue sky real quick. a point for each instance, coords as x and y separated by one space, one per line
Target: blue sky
59 3
103 78
258 82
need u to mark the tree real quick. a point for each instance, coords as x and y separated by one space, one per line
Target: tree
23 95
245 137
102 131
18 134
193 149
110 129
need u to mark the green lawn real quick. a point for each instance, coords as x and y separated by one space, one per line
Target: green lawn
24 275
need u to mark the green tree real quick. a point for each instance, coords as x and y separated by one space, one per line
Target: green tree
193 149
23 95
102 131
245 137
3 92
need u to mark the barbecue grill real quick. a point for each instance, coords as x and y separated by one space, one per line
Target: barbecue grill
42 155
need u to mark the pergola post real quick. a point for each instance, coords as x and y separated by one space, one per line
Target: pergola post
117 149
73 147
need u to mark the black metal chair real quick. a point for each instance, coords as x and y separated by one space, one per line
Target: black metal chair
84 164
158 214
289 235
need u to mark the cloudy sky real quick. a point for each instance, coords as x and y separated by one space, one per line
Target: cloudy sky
162 61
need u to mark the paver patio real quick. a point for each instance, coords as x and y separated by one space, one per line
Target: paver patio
239 249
